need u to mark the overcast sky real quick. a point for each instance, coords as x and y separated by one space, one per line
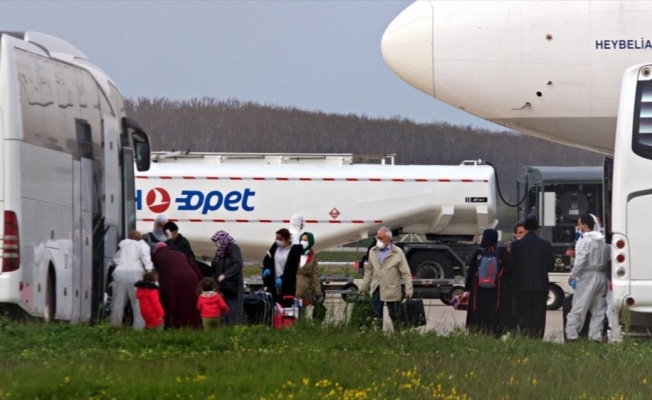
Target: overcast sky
313 55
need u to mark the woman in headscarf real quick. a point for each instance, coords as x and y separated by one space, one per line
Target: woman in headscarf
490 309
178 280
308 283
280 266
227 264
157 235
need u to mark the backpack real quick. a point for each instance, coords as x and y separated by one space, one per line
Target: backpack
488 268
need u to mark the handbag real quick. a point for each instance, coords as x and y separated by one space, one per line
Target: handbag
460 301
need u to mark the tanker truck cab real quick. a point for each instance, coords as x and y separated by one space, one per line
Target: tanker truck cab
558 196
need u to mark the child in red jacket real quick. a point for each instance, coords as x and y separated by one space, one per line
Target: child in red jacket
210 303
149 301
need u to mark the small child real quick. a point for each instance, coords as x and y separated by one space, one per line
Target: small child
210 304
149 301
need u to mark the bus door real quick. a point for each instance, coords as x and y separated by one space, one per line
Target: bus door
82 222
105 229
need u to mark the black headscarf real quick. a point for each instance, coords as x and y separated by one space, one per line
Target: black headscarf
489 238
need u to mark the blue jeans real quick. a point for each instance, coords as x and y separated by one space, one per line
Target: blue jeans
392 306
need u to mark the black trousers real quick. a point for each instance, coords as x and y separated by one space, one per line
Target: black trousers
392 306
531 313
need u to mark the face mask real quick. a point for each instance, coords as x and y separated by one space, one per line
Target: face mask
304 243
380 245
280 243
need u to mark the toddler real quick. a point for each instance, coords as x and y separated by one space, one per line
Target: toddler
149 301
210 304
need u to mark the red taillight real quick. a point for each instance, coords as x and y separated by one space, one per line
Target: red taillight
620 258
620 244
629 301
11 245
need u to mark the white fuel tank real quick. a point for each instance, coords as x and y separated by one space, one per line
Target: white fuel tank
339 204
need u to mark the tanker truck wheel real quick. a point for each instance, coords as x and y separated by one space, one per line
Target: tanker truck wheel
431 265
555 297
446 298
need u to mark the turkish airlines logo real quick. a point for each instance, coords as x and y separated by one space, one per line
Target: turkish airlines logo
158 200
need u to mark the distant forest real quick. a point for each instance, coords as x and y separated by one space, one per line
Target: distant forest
212 125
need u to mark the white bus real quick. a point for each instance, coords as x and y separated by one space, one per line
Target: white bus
67 156
631 248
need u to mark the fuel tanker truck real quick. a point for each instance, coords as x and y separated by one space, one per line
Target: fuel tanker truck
252 195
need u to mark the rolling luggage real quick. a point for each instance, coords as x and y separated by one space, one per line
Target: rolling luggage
259 308
286 313
412 313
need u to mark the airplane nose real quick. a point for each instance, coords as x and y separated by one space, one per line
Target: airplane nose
407 46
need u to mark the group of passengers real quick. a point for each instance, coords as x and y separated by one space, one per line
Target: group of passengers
166 286
518 299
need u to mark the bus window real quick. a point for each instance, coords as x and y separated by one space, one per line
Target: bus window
642 126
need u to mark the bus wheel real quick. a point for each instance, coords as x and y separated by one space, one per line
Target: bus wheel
431 265
555 297
49 310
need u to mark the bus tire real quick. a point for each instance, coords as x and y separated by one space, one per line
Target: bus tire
50 307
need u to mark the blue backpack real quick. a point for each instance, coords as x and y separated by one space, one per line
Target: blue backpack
488 268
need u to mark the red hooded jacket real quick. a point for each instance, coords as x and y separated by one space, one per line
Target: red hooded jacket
211 305
150 304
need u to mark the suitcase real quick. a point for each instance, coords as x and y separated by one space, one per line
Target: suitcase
412 313
259 308
286 313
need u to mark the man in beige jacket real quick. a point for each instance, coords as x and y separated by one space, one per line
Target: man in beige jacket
387 269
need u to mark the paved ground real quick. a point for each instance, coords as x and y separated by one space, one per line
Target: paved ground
444 319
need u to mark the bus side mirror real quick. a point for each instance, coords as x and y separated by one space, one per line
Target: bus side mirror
141 151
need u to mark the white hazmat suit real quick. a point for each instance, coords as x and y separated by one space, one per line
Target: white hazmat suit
131 260
296 228
591 257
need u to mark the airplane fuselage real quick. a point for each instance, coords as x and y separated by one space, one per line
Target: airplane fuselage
550 69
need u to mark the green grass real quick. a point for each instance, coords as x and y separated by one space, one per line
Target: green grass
62 361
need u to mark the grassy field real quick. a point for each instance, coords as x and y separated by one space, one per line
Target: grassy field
62 361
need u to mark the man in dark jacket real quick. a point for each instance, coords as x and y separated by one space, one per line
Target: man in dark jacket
532 259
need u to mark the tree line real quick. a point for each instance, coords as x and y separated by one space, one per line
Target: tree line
212 125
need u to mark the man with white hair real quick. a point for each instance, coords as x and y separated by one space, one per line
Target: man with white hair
387 269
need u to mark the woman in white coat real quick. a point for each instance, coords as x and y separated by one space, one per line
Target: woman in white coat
132 260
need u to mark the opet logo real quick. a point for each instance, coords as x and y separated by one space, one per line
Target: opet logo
157 200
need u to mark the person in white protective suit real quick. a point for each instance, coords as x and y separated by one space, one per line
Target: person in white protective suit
296 228
132 260
590 272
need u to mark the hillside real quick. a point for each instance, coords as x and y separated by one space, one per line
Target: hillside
209 124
